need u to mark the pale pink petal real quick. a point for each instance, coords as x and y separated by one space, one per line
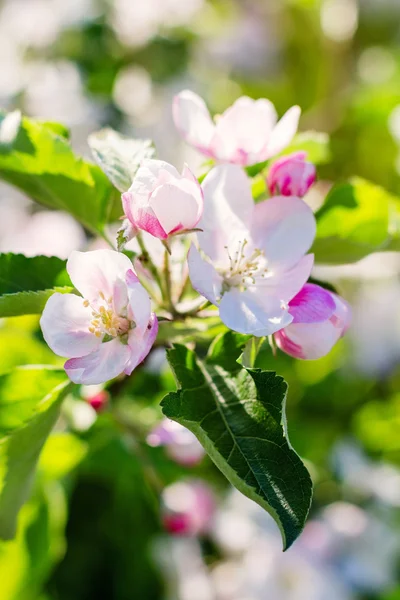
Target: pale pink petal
228 207
145 219
291 175
140 344
105 363
175 208
97 271
342 317
308 340
312 304
284 227
192 119
139 308
283 133
203 276
251 313
242 130
284 284
65 323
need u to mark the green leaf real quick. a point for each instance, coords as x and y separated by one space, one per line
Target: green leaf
315 143
119 156
61 454
353 222
39 161
30 399
27 283
238 415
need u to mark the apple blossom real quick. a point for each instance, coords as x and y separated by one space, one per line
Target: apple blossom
188 507
181 444
162 202
111 329
291 175
247 133
320 318
253 259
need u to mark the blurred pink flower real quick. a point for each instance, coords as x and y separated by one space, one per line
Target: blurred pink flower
180 443
247 133
320 318
111 330
162 202
254 255
188 508
291 175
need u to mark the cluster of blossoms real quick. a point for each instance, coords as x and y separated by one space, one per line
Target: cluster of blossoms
249 260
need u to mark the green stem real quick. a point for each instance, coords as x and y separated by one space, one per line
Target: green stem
167 283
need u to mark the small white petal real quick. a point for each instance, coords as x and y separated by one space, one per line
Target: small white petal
105 363
251 313
203 276
193 120
283 132
97 271
65 323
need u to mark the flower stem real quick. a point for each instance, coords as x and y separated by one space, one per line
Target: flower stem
148 262
167 282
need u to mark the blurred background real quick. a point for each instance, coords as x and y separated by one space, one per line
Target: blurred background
93 527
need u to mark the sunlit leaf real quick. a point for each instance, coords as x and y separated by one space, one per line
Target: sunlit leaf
30 399
238 415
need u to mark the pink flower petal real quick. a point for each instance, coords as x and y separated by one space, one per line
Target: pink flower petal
105 363
97 271
284 227
173 205
193 120
139 302
203 276
228 208
312 304
65 323
140 344
251 313
242 130
283 133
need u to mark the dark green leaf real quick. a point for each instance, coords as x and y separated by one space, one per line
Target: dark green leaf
30 399
119 156
41 163
238 415
27 283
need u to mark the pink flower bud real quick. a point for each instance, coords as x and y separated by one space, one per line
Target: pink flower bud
188 508
98 401
320 319
161 201
291 175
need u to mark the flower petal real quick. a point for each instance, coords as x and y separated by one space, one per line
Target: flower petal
284 227
97 271
65 323
284 284
203 276
312 304
228 208
175 208
251 313
283 133
192 119
140 344
139 308
308 340
105 363
242 130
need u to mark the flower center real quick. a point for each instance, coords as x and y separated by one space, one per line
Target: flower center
105 321
244 266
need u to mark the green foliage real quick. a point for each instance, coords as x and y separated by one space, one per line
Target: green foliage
40 162
238 415
356 219
119 156
27 283
30 399
315 143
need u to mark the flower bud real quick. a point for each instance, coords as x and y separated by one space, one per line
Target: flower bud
188 508
291 175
